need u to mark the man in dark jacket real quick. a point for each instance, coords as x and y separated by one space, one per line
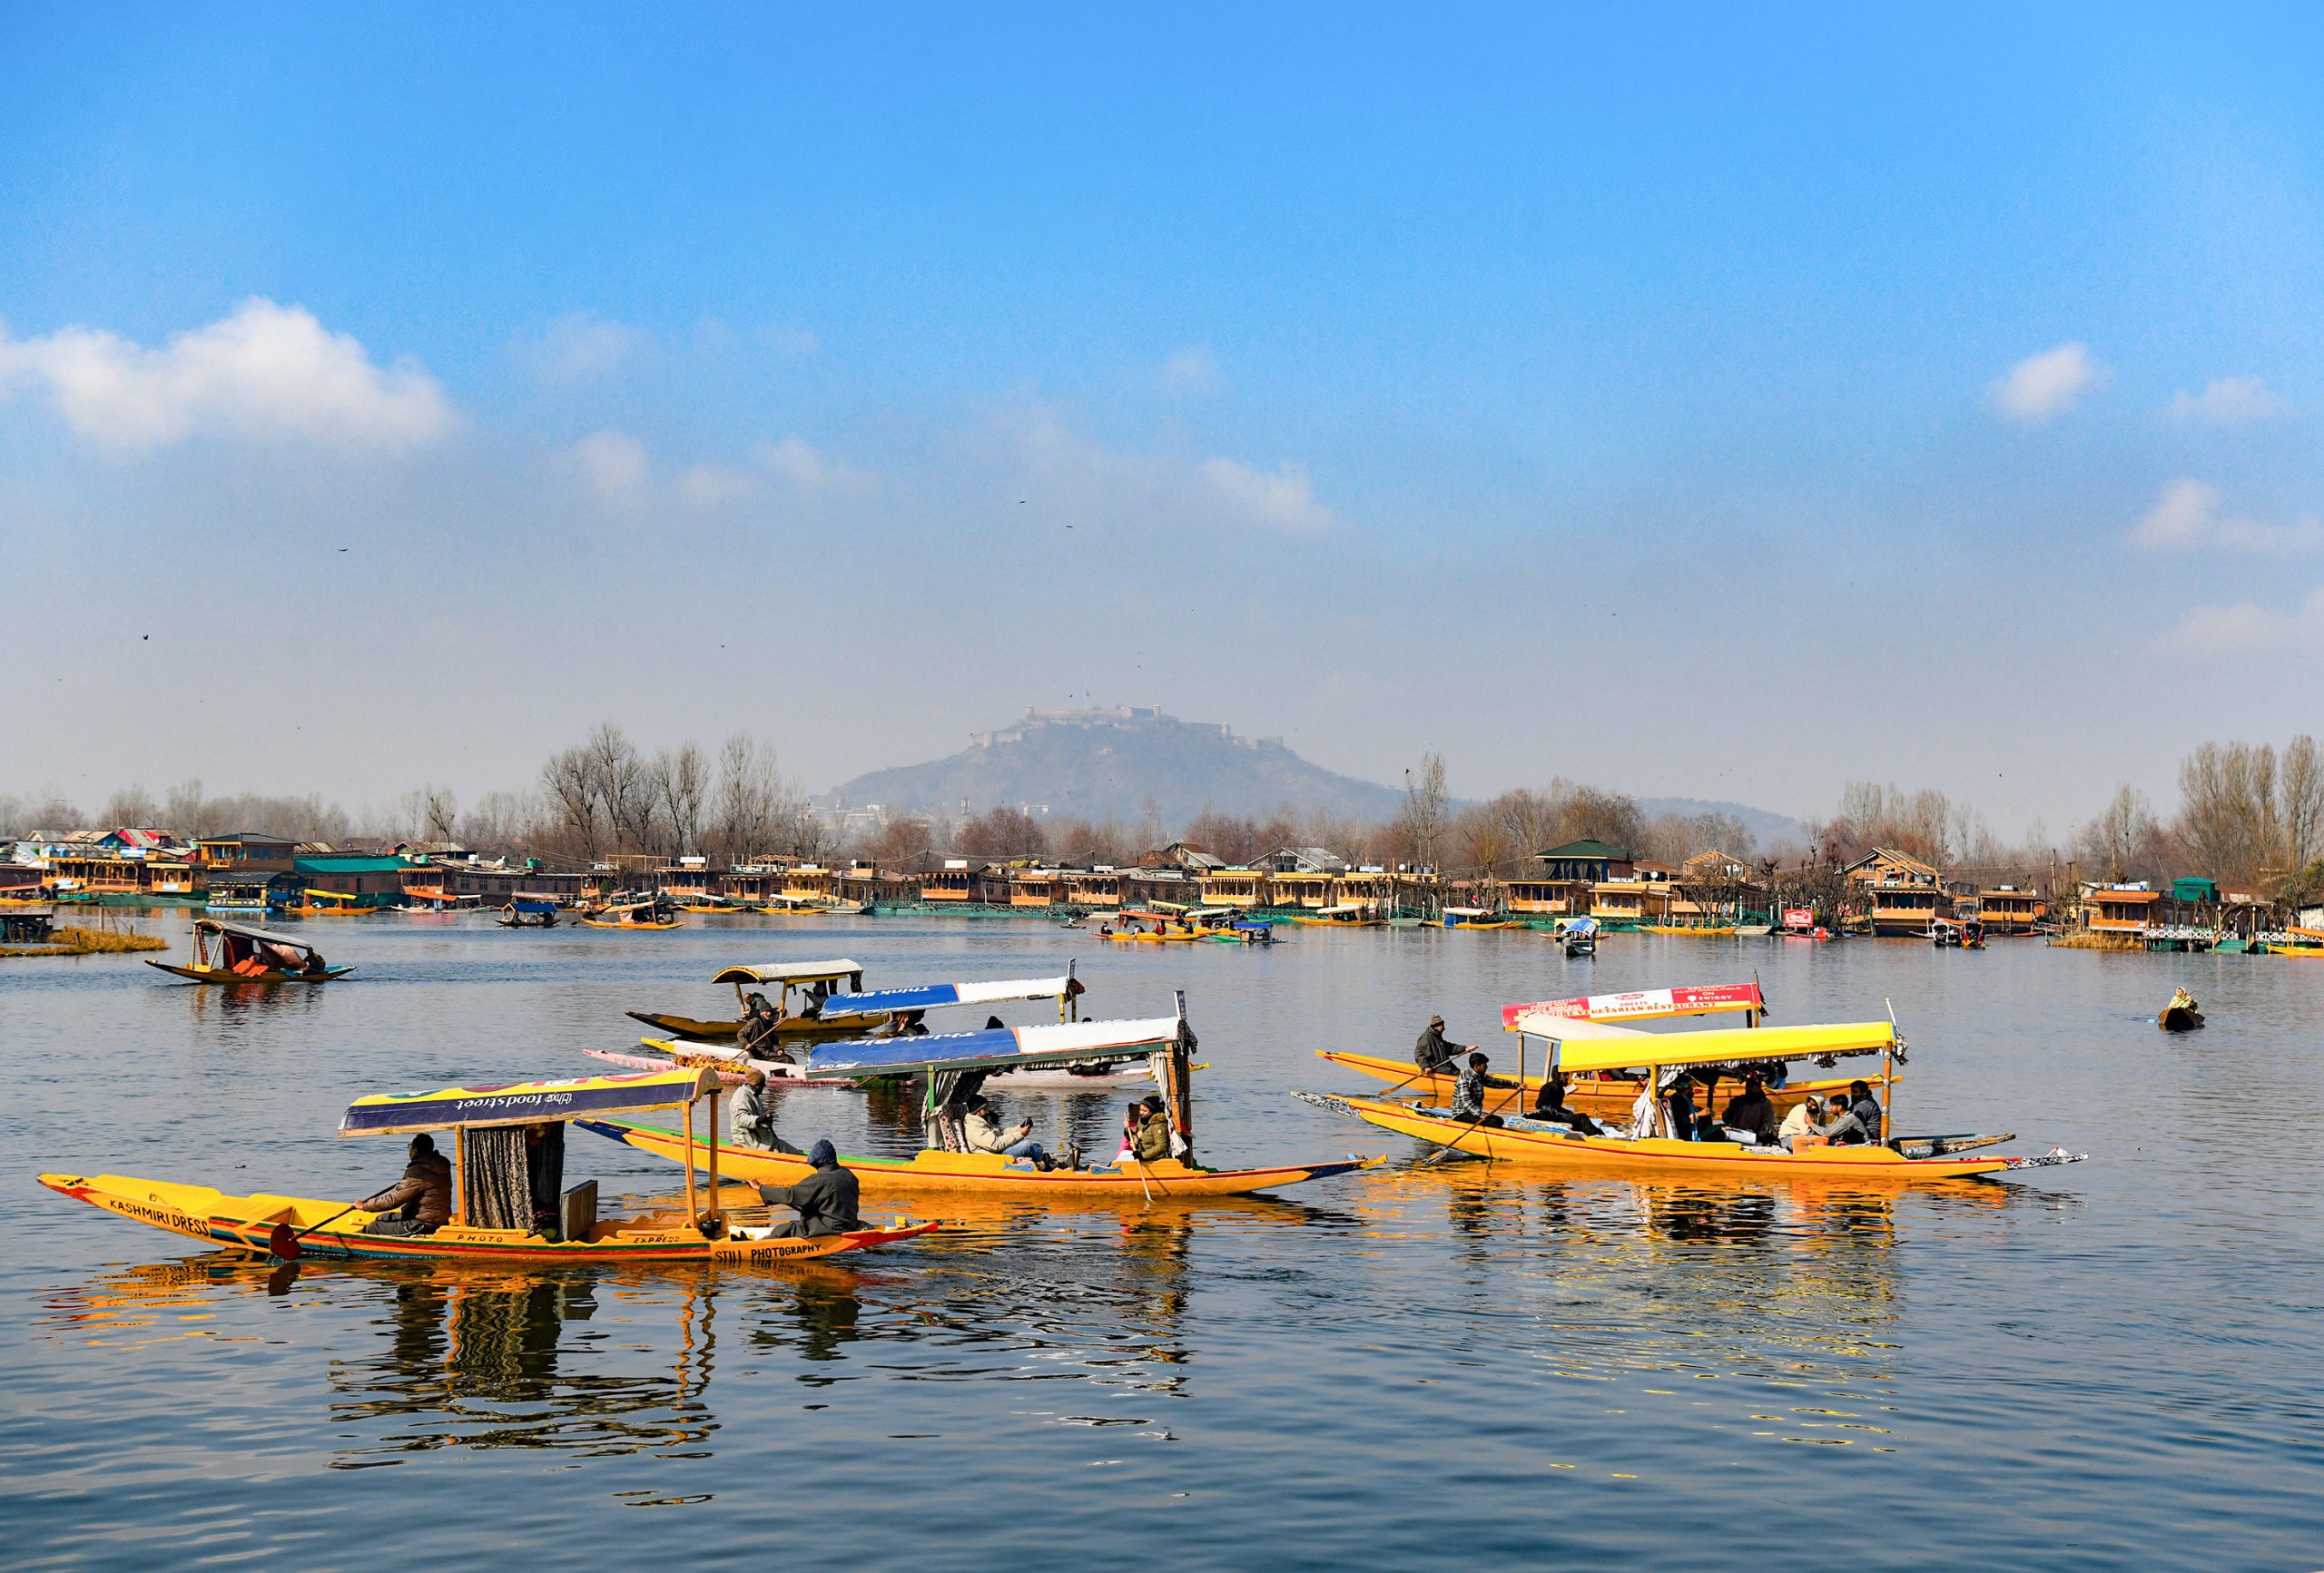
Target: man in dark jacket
420 1202
1433 1053
1550 1108
825 1200
1752 1110
1866 1109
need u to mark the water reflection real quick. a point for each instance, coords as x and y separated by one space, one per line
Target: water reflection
472 1361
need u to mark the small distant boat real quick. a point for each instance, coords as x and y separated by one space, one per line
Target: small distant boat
528 912
1577 935
1346 915
1475 918
237 953
334 904
832 1013
634 915
2181 1015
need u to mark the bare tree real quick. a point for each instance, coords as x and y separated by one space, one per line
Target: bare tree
132 808
2121 843
1422 820
568 780
751 803
682 781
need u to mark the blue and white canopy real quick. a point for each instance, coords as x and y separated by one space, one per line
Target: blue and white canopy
933 996
1062 1044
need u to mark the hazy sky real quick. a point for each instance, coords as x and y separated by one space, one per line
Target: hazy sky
1693 404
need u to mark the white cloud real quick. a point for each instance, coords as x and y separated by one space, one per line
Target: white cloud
2247 626
2043 386
710 486
579 348
1283 497
265 372
1192 371
2188 518
2230 401
798 461
613 461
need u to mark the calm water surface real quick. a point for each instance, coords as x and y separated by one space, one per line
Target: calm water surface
2110 1363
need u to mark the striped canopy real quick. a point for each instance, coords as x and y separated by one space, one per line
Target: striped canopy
933 996
523 1103
1062 1044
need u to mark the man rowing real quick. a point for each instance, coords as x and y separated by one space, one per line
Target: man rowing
1469 1092
825 1201
421 1201
1433 1053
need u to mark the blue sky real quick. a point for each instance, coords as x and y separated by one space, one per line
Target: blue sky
1699 404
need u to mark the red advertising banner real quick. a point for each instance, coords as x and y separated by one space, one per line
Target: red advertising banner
1638 1005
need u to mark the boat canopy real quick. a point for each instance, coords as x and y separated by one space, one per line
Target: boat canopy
1193 912
796 972
1555 1017
269 936
1350 907
931 995
523 1103
1728 1046
1062 1044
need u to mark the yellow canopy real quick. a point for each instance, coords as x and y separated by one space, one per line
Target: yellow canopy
1730 1046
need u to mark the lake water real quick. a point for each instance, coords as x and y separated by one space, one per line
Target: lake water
2104 1364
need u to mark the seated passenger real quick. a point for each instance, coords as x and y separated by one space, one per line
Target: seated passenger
1469 1092
1751 1110
753 1120
419 1203
1866 1109
1802 1121
1679 1107
1153 1139
1550 1107
1842 1129
986 1135
825 1200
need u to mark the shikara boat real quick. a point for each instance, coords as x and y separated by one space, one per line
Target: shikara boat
1477 918
634 915
1728 1052
1606 1095
494 1173
891 1005
331 904
1578 936
527 912
2177 1017
953 1064
227 952
1346 915
837 1015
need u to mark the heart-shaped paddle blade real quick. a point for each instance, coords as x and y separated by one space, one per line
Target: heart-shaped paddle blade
283 1242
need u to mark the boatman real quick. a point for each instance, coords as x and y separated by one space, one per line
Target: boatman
419 1203
753 1124
1433 1053
1469 1092
825 1200
2182 1000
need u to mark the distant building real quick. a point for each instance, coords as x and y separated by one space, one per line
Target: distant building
248 852
1902 894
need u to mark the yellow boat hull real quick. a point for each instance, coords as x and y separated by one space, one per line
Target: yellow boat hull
1601 1098
601 923
244 1222
989 1174
1548 1148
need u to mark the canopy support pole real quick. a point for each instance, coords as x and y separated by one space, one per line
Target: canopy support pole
713 1153
689 1123
459 1177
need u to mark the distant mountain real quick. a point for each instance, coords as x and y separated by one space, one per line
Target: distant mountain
1099 764
1769 829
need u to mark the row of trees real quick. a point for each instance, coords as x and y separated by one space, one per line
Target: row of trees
2250 815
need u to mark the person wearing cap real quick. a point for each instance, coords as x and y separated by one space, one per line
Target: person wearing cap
753 1121
1433 1053
421 1201
1151 1141
986 1135
825 1200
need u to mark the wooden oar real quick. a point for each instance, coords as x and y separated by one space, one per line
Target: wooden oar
282 1242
